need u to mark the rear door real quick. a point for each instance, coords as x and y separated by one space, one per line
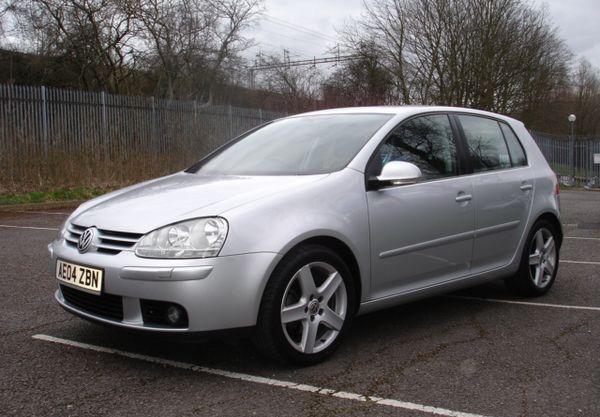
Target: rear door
502 190
421 234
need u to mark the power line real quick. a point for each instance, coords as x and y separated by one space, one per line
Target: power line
266 48
293 38
315 61
299 28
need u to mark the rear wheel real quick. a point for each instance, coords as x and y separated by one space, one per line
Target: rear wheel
539 262
306 307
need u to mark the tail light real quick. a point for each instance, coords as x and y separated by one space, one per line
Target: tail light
557 186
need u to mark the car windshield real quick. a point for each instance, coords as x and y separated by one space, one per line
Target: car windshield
295 146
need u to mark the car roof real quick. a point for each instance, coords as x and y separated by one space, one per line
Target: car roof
405 111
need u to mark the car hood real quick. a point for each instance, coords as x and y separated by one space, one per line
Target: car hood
153 204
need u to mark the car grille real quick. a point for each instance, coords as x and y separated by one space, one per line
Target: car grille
104 305
110 242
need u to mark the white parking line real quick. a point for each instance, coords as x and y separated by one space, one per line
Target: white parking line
262 380
564 261
582 238
28 227
526 303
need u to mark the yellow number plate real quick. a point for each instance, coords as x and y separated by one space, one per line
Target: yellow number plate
86 278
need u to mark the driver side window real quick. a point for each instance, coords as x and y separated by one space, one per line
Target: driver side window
425 141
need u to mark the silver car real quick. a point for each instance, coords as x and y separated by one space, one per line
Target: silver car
295 227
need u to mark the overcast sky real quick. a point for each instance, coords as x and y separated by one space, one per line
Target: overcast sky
307 28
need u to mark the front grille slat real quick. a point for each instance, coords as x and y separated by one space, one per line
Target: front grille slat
104 305
108 302
122 240
128 236
93 307
85 300
105 245
108 241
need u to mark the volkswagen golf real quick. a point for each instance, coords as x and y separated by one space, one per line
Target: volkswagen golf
295 227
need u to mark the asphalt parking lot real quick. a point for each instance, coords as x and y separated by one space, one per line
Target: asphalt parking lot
480 352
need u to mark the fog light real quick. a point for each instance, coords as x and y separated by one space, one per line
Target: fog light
174 314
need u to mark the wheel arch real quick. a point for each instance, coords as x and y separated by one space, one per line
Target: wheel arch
521 282
268 335
554 220
343 250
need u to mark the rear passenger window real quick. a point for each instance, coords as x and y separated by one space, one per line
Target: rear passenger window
517 154
485 140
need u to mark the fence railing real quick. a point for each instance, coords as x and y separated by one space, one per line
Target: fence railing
62 138
558 151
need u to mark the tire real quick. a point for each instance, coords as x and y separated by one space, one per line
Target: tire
306 308
539 262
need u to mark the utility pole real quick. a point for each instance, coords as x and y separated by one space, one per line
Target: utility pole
286 58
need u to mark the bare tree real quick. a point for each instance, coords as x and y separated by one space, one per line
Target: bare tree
94 37
299 86
7 8
177 38
383 26
171 48
586 97
498 55
361 82
188 43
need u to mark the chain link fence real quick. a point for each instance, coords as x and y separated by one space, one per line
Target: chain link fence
561 154
63 138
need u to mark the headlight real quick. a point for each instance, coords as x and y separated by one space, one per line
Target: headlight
199 238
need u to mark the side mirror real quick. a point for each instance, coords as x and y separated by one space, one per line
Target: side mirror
396 173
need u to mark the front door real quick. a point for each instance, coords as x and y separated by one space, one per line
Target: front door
421 234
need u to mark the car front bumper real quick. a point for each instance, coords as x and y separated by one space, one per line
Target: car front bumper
217 293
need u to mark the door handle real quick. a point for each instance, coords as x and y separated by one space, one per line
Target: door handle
463 197
526 187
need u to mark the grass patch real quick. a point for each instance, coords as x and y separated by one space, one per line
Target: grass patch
49 196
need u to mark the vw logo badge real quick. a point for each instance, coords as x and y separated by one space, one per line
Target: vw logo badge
85 240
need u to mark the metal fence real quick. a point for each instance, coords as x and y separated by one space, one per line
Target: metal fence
558 151
63 138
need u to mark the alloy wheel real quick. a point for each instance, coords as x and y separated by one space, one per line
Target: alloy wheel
542 258
314 307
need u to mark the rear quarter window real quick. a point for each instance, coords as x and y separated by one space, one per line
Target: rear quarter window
517 154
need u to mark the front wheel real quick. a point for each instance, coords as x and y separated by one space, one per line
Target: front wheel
306 307
539 262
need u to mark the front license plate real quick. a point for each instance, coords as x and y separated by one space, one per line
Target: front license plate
89 279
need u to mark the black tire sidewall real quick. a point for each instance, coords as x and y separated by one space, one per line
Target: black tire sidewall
270 314
522 283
